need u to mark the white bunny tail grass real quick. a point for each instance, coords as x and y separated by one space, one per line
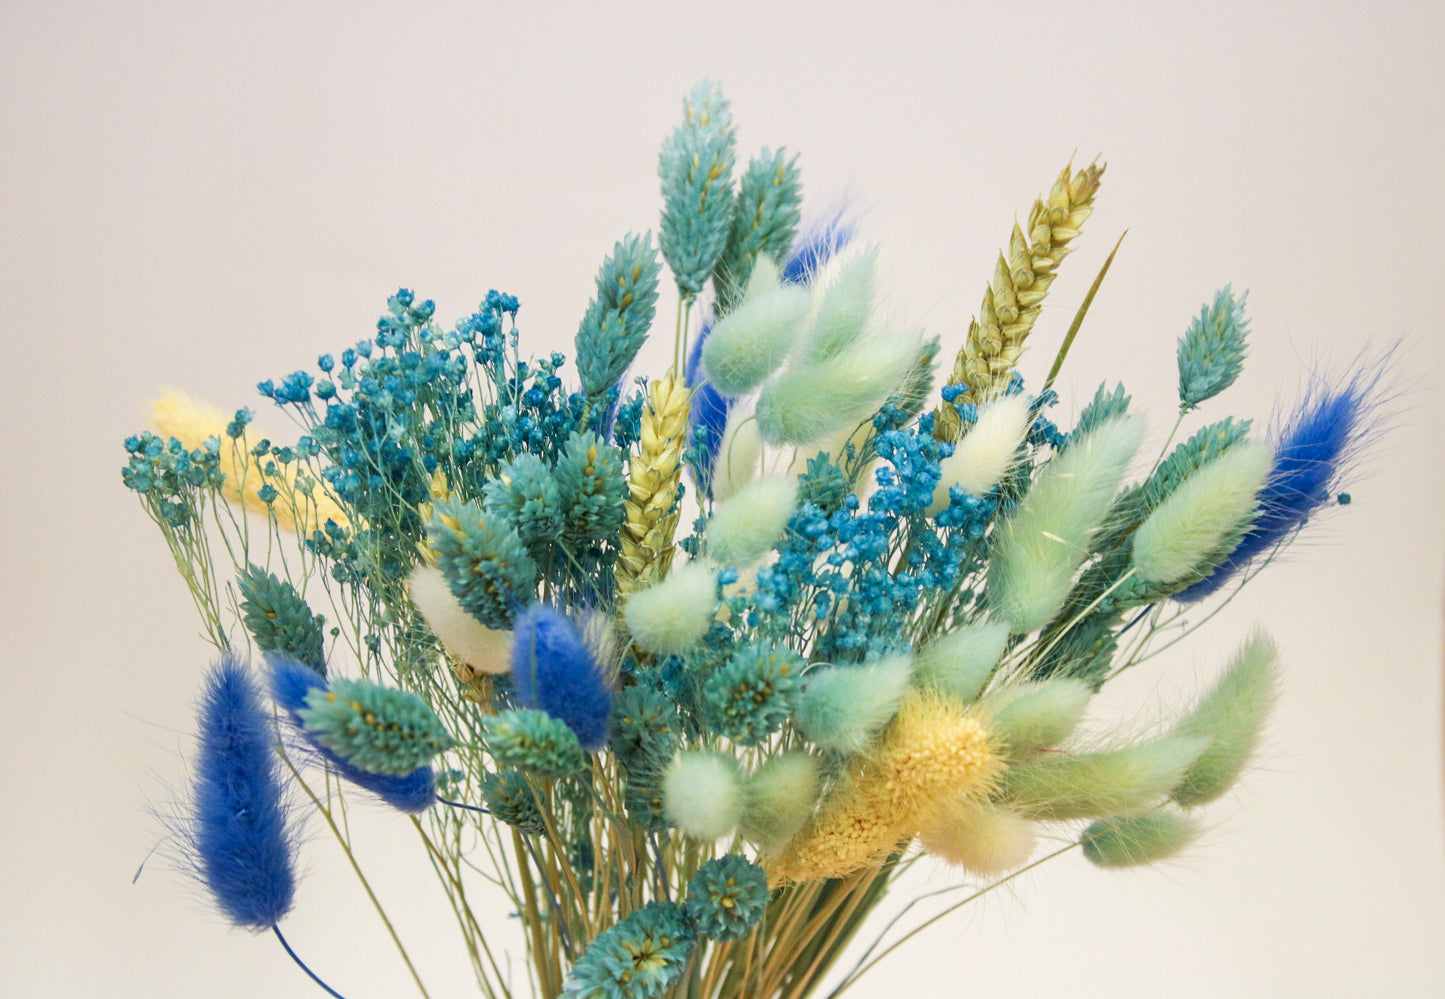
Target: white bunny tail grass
465 638
747 524
1118 782
779 798
1202 520
806 404
739 454
702 793
985 453
844 707
842 305
1132 840
980 839
1232 714
671 617
752 341
1037 550
961 662
1030 717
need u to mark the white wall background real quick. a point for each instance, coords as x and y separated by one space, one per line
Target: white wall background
204 195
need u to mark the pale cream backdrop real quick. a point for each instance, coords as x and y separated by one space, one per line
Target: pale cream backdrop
204 195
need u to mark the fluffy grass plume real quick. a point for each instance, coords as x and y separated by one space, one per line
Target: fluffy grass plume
554 669
1037 550
671 617
702 792
1131 840
778 799
468 642
1026 718
753 340
844 707
739 455
1116 782
239 837
980 839
1203 519
982 457
191 421
806 404
292 684
933 751
747 524
1232 714
654 473
844 303
1012 302
961 662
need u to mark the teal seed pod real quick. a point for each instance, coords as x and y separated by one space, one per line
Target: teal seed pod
617 321
485 563
1106 405
381 730
645 729
524 493
279 619
727 897
592 485
1132 840
641 957
511 799
696 168
750 697
1211 351
534 742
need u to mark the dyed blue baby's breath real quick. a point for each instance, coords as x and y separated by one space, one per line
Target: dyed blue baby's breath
242 846
291 682
553 670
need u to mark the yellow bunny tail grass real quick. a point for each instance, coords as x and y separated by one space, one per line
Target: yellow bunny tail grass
1128 841
1012 302
1232 714
746 525
191 421
654 474
1205 517
1118 782
1037 550
473 649
779 798
980 839
702 793
1030 717
960 663
980 459
933 750
673 616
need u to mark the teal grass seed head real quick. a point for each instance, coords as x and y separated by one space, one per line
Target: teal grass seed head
1211 352
382 730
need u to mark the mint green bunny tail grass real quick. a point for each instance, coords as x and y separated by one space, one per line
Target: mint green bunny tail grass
673 616
747 524
641 957
727 897
702 792
844 707
1202 521
1211 351
752 341
1030 717
1039 548
617 321
1090 785
1232 714
961 662
765 219
279 619
378 729
592 485
696 168
534 742
779 798
807 404
751 696
844 305
510 799
524 493
1130 841
484 561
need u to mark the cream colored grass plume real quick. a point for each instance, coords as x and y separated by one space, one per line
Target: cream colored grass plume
1012 302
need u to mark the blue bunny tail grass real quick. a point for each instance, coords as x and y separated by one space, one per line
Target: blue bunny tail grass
241 840
554 670
1318 444
821 240
412 793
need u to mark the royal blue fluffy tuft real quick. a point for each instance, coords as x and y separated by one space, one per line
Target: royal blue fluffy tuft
554 670
241 842
821 240
1316 446
412 793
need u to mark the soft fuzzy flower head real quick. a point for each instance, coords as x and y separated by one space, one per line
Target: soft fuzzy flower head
960 663
980 839
641 957
279 619
980 459
779 797
292 686
534 742
703 794
1131 840
750 697
727 897
674 615
554 669
1232 716
747 524
239 837
486 650
844 707
382 730
1115 782
483 560
1029 717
